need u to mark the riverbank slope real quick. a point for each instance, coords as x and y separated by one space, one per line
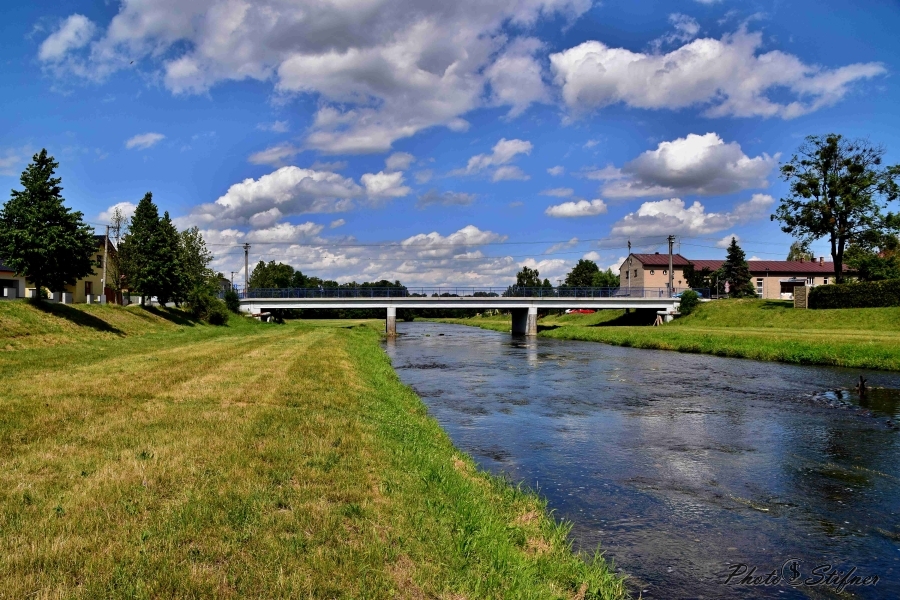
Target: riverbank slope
255 460
866 338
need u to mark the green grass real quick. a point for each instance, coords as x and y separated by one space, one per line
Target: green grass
763 330
254 460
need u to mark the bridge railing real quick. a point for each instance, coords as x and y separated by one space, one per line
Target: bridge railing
463 292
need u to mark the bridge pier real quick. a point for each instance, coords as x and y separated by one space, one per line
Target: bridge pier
524 321
390 325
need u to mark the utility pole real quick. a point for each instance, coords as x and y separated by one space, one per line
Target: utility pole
105 249
671 273
232 278
246 267
628 273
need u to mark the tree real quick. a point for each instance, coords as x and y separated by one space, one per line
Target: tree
799 251
272 275
171 280
697 279
838 190
150 255
605 279
194 259
115 274
40 238
874 259
528 278
736 272
582 275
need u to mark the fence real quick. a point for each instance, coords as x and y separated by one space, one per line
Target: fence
463 292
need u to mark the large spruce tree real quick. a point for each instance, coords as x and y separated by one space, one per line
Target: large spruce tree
40 238
150 253
736 272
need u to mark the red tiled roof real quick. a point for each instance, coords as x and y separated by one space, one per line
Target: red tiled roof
756 266
660 260
774 266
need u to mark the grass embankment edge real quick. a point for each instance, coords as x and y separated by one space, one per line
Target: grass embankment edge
255 461
757 330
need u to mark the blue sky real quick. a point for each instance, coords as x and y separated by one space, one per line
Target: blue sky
444 143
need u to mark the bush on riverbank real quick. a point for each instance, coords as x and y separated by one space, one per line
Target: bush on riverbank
868 294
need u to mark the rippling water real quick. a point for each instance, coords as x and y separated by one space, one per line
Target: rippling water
679 466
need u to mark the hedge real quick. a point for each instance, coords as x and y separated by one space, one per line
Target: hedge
870 294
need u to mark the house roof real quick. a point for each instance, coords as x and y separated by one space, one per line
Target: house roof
3 267
756 266
660 260
774 266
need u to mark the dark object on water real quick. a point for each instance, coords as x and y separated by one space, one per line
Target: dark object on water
861 386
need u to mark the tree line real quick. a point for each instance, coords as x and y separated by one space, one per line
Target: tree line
51 246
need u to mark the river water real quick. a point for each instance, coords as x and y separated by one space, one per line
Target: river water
680 467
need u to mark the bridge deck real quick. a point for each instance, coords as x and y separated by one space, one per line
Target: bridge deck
258 304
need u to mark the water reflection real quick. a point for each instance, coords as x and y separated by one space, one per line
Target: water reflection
679 465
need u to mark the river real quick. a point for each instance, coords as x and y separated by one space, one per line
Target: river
680 467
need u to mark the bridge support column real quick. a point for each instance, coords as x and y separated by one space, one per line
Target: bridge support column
390 326
524 321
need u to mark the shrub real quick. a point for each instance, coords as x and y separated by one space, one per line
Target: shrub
206 307
232 301
872 294
689 301
217 313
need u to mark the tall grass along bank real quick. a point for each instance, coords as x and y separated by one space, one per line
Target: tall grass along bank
254 461
866 338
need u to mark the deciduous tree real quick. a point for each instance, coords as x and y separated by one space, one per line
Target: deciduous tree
839 190
582 274
40 238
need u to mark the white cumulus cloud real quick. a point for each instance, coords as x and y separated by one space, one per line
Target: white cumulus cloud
75 32
385 185
729 76
579 208
380 70
695 164
289 190
664 217
144 140
126 208
399 161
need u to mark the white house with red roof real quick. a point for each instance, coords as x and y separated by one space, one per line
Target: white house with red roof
773 279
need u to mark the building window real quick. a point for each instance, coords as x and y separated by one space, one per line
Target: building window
825 281
810 280
99 260
88 288
635 272
759 287
665 271
652 272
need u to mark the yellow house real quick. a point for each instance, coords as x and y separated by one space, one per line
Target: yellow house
91 285
773 279
11 285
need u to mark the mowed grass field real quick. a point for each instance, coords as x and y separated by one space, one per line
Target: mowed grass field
764 330
251 461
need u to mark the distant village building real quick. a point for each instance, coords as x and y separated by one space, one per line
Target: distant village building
773 279
84 287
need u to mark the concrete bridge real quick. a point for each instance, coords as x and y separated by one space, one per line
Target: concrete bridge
523 303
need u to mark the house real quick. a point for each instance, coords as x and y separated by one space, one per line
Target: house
11 285
773 279
91 285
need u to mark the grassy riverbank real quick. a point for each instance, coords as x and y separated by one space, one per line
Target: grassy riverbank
256 460
763 330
